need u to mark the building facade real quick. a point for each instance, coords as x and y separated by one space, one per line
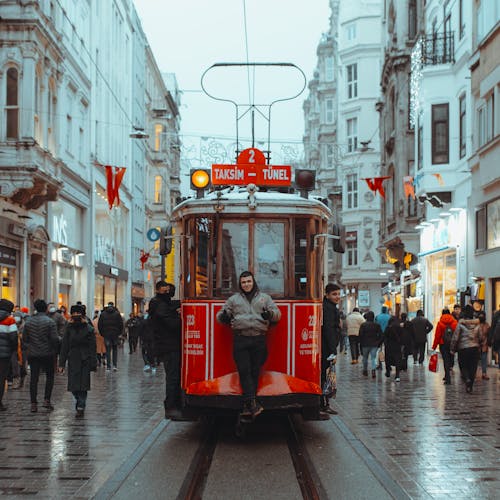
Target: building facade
341 143
68 119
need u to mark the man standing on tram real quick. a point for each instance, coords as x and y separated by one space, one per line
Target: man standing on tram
249 312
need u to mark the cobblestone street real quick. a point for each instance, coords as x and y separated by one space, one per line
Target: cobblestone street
435 441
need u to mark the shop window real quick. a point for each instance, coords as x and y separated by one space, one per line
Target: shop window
440 133
12 106
8 284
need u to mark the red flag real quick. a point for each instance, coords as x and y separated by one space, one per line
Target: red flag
375 184
114 177
408 186
144 258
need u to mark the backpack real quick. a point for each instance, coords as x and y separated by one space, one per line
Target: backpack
447 335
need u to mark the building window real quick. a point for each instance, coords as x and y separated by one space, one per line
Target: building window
352 190
463 130
351 31
351 240
69 133
393 109
412 19
352 135
329 68
158 136
158 189
493 225
481 228
12 107
440 132
461 19
329 155
486 121
352 81
328 110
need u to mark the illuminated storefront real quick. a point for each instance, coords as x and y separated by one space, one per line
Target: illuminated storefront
8 274
68 257
111 253
442 246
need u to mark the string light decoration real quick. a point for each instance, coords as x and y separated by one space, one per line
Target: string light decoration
415 81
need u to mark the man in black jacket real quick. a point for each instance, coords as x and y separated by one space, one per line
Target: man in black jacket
421 327
110 326
330 335
41 341
165 319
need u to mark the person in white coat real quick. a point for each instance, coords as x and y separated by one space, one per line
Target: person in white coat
354 321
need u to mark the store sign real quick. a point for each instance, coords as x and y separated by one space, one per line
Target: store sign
368 239
105 250
7 256
364 298
60 233
66 224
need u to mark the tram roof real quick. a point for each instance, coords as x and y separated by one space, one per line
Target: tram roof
266 202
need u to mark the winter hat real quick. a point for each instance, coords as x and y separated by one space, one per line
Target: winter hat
77 309
6 305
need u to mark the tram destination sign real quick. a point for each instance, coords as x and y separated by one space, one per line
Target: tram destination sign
251 168
268 175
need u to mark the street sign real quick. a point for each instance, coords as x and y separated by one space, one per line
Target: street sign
153 234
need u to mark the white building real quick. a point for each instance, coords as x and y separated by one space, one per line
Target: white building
341 143
72 91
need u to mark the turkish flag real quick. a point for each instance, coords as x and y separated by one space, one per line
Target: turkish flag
375 184
114 177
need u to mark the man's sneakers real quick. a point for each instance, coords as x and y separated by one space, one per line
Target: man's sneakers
80 412
48 405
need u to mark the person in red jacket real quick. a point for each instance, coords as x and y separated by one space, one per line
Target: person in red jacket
8 343
442 339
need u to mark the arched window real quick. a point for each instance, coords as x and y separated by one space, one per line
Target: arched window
12 104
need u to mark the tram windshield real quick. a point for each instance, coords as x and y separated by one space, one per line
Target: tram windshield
279 251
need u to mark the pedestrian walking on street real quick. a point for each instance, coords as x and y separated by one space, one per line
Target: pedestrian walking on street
249 312
330 336
407 335
99 341
494 335
484 329
78 349
146 338
132 327
383 320
8 343
370 339
166 322
392 342
58 319
354 320
466 341
41 340
110 325
444 332
421 327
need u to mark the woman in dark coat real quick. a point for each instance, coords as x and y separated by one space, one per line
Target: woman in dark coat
392 341
79 350
407 335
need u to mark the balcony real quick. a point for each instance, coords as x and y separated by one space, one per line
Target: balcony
438 48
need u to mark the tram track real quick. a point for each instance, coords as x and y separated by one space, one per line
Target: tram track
307 478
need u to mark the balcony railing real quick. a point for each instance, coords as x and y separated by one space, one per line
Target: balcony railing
438 48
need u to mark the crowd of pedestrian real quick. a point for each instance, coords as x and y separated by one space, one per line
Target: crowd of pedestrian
389 339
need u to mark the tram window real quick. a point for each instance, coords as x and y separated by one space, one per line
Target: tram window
234 255
269 251
203 236
300 272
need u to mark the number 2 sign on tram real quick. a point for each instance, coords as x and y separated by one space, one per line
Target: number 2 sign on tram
251 168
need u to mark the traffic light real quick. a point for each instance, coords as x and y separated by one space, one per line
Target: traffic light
166 240
338 231
200 180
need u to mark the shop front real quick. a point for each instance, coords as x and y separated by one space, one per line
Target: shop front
68 257
111 255
8 273
442 246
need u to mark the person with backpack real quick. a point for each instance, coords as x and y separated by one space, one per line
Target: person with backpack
444 332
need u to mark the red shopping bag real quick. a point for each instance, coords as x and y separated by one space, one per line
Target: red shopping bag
433 363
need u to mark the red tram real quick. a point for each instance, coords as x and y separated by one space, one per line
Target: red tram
279 237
